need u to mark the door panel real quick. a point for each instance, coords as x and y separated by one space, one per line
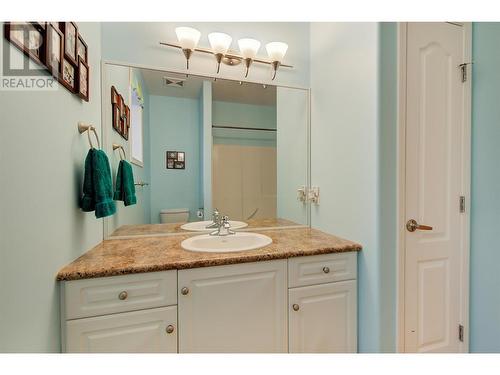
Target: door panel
325 321
142 331
236 308
434 127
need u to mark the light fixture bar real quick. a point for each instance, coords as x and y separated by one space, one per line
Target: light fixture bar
230 54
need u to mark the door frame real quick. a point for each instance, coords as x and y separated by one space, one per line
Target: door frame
402 31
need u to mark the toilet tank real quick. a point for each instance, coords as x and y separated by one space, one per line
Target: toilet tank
174 215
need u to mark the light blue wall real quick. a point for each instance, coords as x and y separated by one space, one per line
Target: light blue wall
175 126
244 115
345 153
485 205
41 226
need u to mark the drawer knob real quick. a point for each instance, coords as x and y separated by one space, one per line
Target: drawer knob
185 291
123 295
170 329
326 269
295 307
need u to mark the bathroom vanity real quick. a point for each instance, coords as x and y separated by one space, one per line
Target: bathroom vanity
149 295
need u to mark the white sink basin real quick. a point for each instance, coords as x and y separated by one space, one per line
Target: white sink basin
240 241
201 226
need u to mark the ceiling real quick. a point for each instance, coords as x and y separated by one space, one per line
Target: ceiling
222 89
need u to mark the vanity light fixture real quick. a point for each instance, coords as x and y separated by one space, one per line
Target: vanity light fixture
248 49
276 51
188 39
220 43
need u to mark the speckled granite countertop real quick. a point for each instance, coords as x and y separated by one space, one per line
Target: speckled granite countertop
148 254
161 229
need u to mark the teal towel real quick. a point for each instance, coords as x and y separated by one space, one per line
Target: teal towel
97 185
125 187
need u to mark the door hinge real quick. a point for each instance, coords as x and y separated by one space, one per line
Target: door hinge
462 204
463 70
461 332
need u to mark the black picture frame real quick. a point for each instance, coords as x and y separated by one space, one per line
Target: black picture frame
71 42
21 29
175 160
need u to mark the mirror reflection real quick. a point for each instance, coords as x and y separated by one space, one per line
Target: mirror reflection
202 149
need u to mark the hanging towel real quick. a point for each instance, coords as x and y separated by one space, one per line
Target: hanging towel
97 185
125 188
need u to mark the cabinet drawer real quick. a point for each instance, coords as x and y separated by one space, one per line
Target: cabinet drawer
318 269
108 295
145 331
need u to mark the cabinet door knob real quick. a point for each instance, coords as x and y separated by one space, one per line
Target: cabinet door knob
170 328
326 269
184 291
295 307
123 295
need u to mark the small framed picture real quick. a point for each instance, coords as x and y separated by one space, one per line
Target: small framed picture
54 50
179 165
114 95
180 156
170 164
82 50
68 78
172 154
28 38
83 79
176 160
70 42
116 118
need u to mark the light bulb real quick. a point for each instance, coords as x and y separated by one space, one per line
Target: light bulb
248 47
188 37
276 51
219 42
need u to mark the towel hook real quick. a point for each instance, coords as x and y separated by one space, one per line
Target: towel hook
82 127
120 147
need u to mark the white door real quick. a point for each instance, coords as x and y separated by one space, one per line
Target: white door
144 331
236 308
322 318
436 178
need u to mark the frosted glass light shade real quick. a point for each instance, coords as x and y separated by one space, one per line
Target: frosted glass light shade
219 42
188 37
248 47
276 50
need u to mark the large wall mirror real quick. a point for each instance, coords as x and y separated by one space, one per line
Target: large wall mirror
197 144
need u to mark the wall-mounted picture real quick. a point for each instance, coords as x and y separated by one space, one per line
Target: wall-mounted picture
116 118
68 78
120 114
82 50
176 160
28 37
83 74
70 42
54 50
114 95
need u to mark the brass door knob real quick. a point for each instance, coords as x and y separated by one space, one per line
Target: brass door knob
412 226
326 269
295 307
184 291
170 329
123 295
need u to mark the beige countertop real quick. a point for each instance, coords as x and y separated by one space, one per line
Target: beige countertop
175 228
149 254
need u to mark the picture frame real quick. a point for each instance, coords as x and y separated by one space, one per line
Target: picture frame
82 49
176 160
83 79
114 95
71 42
69 76
54 50
116 118
28 38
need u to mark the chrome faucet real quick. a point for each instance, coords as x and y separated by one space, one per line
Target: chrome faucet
215 220
224 228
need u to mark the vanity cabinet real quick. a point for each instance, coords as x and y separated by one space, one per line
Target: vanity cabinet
302 304
235 308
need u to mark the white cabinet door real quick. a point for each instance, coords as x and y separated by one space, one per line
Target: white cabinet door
322 318
235 308
145 331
